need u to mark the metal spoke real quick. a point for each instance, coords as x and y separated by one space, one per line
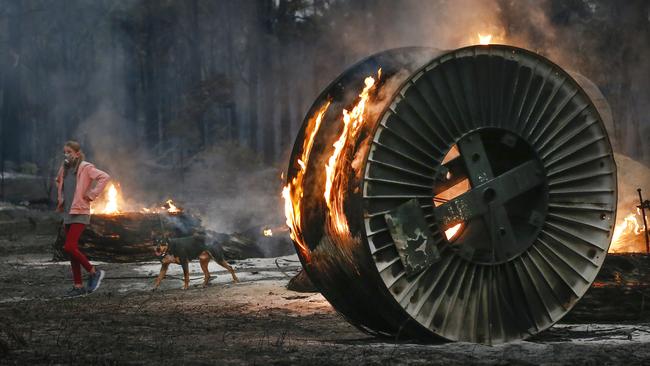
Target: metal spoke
499 190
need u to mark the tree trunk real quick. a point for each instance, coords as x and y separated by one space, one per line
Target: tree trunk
285 107
253 75
195 66
269 100
149 75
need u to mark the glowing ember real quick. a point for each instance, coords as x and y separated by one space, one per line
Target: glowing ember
484 39
268 232
335 170
452 231
293 191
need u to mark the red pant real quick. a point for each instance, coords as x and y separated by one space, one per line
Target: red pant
77 258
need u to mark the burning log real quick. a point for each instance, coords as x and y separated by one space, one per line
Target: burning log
128 236
117 236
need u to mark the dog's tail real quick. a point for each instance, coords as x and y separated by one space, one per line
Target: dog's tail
216 251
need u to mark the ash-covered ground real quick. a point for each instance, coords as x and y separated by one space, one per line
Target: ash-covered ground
255 322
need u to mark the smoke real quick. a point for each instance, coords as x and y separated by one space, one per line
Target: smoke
234 190
599 40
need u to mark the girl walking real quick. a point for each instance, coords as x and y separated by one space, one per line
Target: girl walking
75 192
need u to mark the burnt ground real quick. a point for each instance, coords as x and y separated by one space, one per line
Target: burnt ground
255 322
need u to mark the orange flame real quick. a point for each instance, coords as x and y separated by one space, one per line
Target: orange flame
452 231
484 39
172 207
336 177
293 191
628 235
111 205
110 201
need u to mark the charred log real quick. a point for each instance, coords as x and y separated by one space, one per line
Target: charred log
128 237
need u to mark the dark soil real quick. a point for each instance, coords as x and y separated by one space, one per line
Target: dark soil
255 322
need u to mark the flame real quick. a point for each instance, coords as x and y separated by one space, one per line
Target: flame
110 206
335 170
268 232
628 235
484 39
293 191
452 231
111 203
110 200
172 207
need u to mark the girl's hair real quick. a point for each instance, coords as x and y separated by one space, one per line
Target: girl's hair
74 145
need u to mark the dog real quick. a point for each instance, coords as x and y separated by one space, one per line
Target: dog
183 250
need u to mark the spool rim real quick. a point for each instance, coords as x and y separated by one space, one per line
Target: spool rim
539 314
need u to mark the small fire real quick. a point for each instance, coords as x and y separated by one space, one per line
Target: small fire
484 39
268 232
111 207
172 207
628 235
111 203
452 231
293 191
335 170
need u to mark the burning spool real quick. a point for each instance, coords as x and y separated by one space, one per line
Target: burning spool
495 142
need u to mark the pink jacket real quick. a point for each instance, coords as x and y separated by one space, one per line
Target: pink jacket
86 174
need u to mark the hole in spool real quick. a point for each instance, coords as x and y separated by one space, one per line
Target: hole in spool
462 186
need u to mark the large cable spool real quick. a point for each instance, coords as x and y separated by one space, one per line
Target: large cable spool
495 142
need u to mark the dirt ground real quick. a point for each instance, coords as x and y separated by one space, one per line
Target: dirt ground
255 322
